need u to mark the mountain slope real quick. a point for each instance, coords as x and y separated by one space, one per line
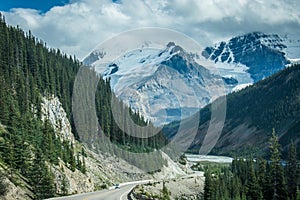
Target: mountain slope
162 84
253 112
264 54
38 151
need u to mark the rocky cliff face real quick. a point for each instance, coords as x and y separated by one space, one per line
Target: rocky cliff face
53 111
102 170
15 192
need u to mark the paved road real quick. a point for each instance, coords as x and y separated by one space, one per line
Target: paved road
111 194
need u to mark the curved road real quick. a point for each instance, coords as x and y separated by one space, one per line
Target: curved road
111 194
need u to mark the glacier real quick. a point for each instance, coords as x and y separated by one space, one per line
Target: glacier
164 85
169 83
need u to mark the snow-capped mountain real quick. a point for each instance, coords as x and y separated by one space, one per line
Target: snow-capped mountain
162 84
170 84
263 54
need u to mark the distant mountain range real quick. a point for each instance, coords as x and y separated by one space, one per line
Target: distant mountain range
263 54
147 79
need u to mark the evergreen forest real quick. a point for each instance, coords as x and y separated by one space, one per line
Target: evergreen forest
29 71
256 178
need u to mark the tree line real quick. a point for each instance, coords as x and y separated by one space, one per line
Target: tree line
256 179
275 99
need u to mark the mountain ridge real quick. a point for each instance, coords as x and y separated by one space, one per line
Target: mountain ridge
264 54
151 81
240 61
252 113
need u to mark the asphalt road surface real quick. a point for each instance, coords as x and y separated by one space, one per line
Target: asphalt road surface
111 194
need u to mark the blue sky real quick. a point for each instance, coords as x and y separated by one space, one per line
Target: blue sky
78 26
42 5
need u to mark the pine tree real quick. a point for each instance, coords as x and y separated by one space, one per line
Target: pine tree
48 142
292 172
236 188
262 176
72 159
64 186
253 188
41 178
277 183
208 186
298 194
83 169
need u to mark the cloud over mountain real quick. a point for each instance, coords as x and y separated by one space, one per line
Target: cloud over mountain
79 26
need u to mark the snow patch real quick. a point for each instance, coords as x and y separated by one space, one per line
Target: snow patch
240 87
294 61
292 43
237 71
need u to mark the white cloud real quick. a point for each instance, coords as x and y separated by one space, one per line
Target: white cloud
78 27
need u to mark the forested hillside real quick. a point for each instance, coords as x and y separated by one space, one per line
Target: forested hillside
252 113
29 71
